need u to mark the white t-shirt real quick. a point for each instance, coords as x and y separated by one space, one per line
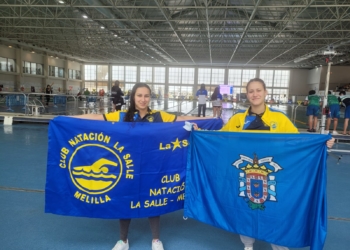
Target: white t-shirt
202 96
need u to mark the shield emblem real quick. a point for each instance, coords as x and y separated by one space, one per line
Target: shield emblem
257 187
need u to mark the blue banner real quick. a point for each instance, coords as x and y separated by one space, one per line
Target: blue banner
270 187
116 170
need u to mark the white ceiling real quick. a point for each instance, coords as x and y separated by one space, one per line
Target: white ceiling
262 33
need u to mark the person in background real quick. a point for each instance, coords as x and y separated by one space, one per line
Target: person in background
86 92
117 94
259 117
79 96
48 91
202 94
216 99
313 109
334 113
345 101
341 93
138 111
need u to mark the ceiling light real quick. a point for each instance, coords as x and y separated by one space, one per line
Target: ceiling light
10 46
341 60
32 51
134 47
56 57
61 2
51 56
125 41
102 27
116 35
84 16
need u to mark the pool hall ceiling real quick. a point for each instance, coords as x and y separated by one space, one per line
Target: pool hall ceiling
228 33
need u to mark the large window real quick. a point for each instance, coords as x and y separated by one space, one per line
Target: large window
26 67
158 91
281 78
187 76
235 77
96 77
3 64
174 92
56 71
130 73
90 72
39 69
91 86
118 73
267 76
7 64
217 76
127 75
239 79
102 72
174 75
102 85
280 85
180 92
204 76
128 87
159 74
181 76
33 68
146 74
247 75
211 77
74 74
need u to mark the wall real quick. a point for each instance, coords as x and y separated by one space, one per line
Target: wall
7 52
298 81
7 81
32 57
13 82
301 80
339 76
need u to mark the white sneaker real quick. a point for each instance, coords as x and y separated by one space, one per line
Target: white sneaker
335 133
248 248
326 132
121 245
157 245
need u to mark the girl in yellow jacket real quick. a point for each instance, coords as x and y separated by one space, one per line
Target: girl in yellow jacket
259 118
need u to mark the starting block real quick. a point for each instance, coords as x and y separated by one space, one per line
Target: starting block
8 120
299 102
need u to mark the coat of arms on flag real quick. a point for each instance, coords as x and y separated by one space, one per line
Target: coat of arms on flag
256 181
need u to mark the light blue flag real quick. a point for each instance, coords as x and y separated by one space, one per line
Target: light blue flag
267 186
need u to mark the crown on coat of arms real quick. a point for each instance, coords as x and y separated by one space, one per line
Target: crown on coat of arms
256 168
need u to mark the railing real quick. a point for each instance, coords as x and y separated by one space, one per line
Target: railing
13 99
32 103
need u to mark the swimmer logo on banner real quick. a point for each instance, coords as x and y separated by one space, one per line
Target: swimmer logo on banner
116 170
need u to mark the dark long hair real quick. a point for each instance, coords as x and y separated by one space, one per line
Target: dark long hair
129 116
214 96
